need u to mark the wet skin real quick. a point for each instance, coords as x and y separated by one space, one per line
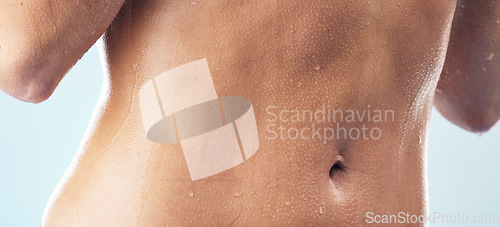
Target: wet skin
347 55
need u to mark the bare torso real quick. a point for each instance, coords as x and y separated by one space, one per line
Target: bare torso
293 55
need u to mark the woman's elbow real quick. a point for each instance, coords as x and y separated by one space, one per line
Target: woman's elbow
26 81
483 121
469 115
35 92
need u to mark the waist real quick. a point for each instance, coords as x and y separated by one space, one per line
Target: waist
285 182
292 174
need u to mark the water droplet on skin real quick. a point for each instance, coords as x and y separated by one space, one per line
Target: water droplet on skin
287 204
492 54
320 211
317 67
237 194
191 194
193 3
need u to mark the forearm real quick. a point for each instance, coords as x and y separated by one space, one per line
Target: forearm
41 40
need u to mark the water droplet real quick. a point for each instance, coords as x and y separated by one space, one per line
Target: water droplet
287 203
191 194
317 67
237 194
320 211
492 54
193 3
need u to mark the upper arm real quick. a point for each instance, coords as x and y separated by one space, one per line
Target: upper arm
40 40
468 92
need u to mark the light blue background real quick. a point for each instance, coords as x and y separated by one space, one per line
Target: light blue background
37 143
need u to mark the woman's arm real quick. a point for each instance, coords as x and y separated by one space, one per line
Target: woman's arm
468 92
40 40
